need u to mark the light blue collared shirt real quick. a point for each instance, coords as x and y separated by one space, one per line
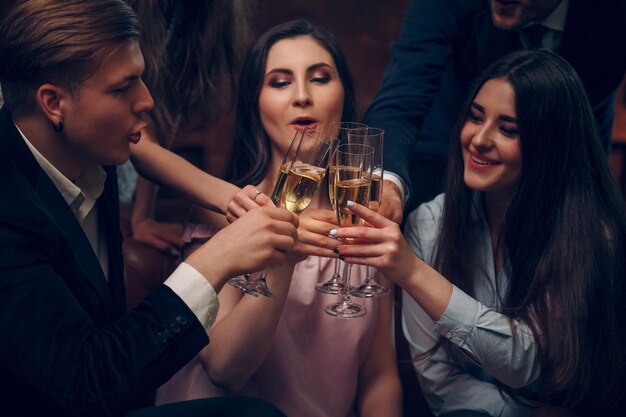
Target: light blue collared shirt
492 351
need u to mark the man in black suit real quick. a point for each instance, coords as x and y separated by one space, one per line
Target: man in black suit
444 44
74 102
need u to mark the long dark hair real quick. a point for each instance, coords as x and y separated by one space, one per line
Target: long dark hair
562 242
193 52
252 145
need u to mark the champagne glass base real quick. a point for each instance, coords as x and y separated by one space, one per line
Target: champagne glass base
242 284
258 287
332 286
368 289
345 309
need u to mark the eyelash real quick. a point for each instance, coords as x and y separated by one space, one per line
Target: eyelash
324 79
507 131
122 89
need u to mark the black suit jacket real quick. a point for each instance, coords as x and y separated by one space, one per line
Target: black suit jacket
67 345
445 44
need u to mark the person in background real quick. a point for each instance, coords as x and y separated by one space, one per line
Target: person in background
193 54
74 103
287 350
445 44
513 278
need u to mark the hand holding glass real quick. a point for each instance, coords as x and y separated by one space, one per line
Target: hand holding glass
352 180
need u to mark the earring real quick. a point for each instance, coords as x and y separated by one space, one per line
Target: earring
59 127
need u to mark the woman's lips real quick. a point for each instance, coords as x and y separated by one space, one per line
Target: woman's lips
481 162
307 126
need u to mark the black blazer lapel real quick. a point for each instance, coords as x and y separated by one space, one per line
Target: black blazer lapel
490 42
59 213
109 218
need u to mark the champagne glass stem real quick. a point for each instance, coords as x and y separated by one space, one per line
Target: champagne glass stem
334 283
345 307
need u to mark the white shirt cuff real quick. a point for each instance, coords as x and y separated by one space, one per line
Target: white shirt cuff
199 295
390 176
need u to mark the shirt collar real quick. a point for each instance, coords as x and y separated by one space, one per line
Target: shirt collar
80 195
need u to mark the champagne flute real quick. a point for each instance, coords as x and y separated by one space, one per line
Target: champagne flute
244 283
303 176
339 131
373 137
352 180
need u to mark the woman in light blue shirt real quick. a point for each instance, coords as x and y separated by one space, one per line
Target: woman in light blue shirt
513 304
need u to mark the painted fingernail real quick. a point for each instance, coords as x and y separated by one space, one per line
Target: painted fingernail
333 232
336 250
350 203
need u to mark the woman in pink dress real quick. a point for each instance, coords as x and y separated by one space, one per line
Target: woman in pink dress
287 350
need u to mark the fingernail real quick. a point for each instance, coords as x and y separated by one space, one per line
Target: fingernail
336 250
333 232
350 203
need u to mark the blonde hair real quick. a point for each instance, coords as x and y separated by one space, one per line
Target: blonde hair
60 42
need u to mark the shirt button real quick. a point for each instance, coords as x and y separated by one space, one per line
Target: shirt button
448 335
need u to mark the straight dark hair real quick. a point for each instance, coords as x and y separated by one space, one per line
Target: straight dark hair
252 145
562 241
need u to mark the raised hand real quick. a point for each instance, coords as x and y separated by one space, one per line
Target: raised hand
313 238
381 246
263 237
166 237
248 198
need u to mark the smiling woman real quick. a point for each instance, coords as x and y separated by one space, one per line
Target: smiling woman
490 142
504 272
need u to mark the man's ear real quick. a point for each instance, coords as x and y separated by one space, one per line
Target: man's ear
49 98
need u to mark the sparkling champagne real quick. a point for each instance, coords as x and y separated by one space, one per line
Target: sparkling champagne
345 173
279 184
300 185
357 190
376 192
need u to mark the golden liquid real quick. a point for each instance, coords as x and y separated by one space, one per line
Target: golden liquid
279 184
300 185
357 190
376 192
345 173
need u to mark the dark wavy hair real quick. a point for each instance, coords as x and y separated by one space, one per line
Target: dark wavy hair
562 242
193 52
252 145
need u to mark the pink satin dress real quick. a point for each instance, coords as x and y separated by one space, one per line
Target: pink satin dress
312 368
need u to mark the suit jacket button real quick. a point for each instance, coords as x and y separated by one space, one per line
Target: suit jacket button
175 328
168 333
181 320
161 337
